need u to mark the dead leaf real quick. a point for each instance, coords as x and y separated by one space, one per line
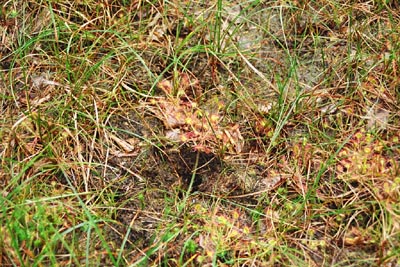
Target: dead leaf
377 117
234 138
122 144
173 134
41 81
355 237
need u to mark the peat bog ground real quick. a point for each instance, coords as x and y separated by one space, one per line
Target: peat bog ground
194 133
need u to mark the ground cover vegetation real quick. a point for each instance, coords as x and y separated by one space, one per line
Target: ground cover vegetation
199 133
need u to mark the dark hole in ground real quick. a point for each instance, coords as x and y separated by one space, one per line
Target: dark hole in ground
190 164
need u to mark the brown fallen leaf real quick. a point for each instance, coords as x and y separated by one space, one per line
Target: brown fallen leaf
354 237
127 147
233 138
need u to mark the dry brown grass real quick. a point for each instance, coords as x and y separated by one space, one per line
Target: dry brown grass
188 134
